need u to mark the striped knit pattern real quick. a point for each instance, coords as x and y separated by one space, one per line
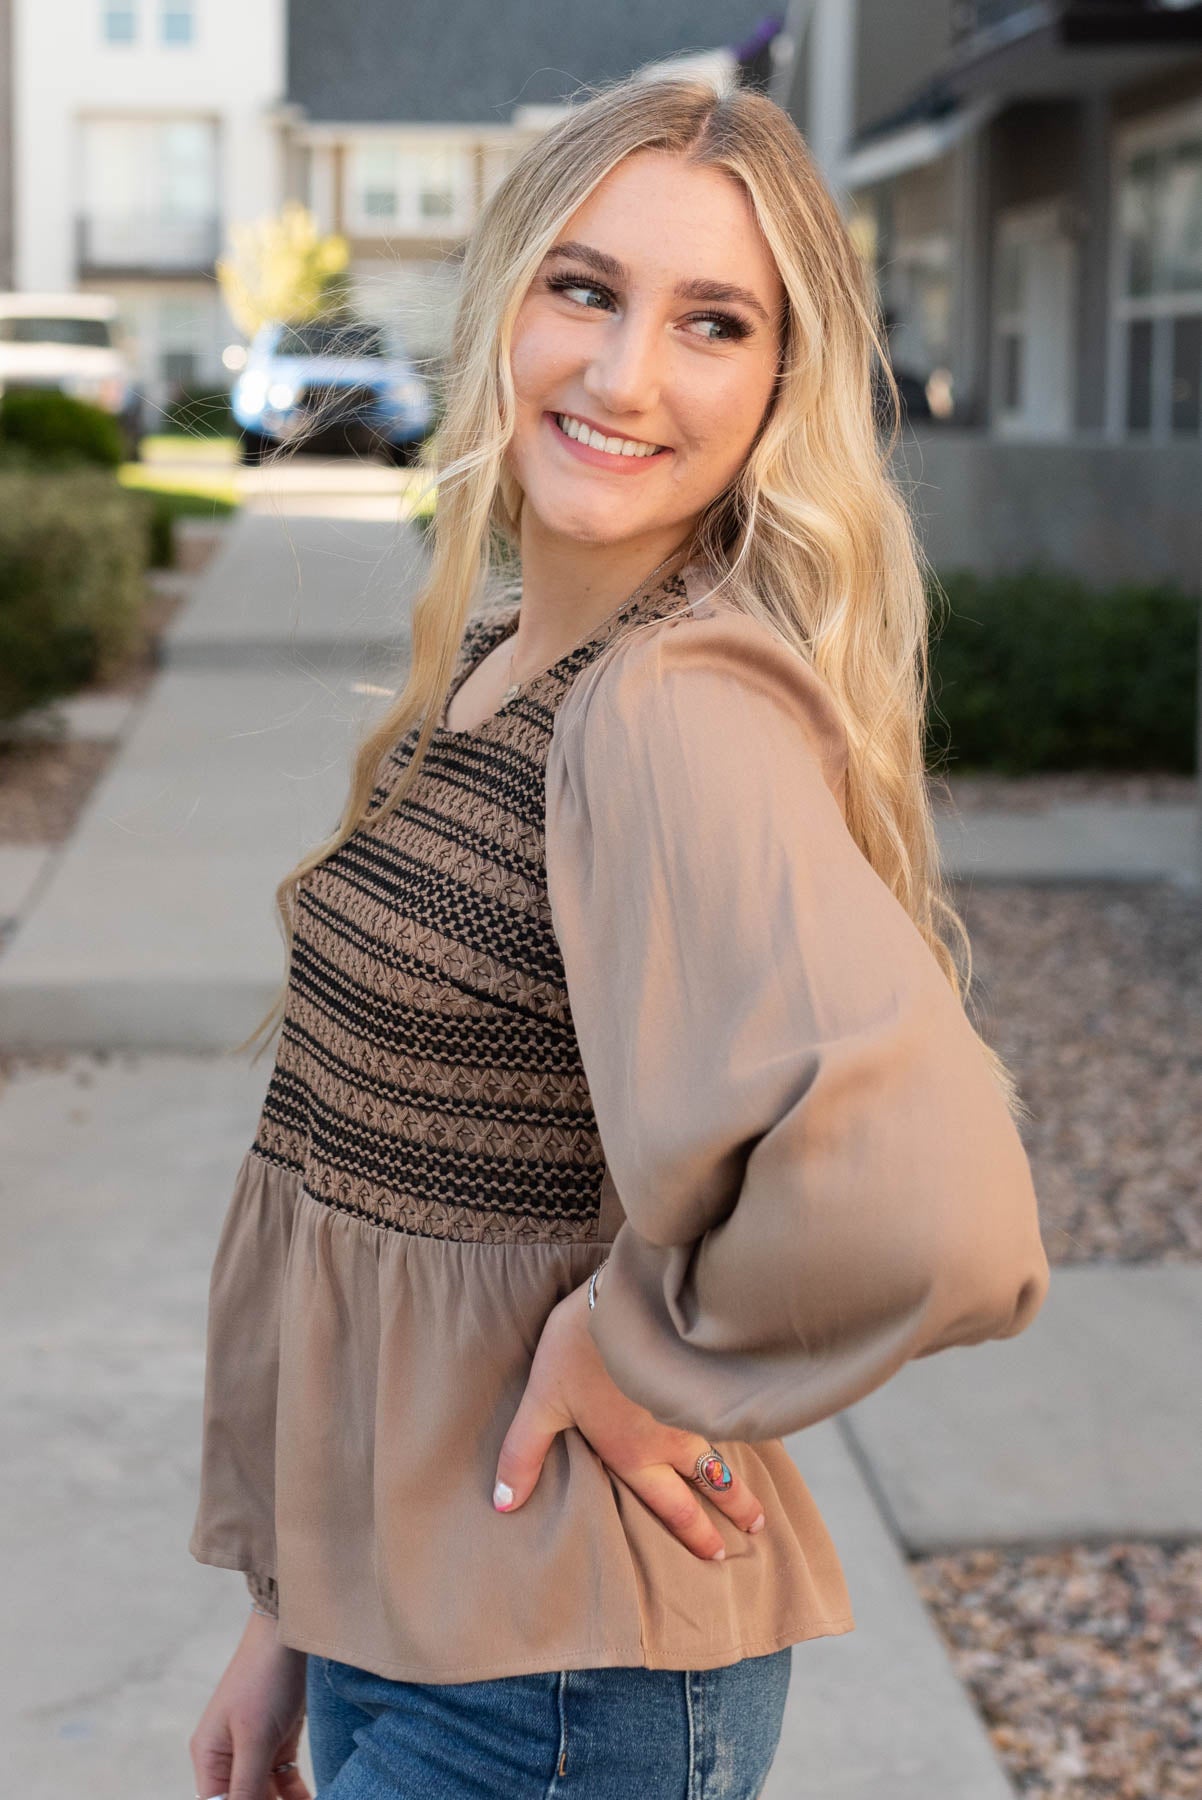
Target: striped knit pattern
428 1076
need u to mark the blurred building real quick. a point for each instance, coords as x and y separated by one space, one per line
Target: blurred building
1026 178
400 121
142 129
6 144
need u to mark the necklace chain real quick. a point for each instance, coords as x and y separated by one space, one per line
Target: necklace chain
515 687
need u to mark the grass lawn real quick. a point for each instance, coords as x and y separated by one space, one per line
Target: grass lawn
181 446
202 476
187 491
420 505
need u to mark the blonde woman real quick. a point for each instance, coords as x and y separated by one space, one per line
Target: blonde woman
626 1114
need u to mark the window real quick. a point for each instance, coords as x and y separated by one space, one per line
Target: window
1185 415
149 193
410 188
119 21
378 177
28 328
177 22
1159 287
1139 375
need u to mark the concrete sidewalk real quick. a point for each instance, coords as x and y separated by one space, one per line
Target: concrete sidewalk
111 1186
1074 841
114 1637
153 927
1086 1428
878 1714
303 591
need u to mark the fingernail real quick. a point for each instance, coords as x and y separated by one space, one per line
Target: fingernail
502 1496
718 1556
757 1524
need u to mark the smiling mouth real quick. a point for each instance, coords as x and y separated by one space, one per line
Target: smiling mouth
583 433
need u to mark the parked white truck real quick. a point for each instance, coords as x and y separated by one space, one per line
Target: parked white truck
70 342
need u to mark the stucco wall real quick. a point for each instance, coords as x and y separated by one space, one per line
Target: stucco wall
1107 512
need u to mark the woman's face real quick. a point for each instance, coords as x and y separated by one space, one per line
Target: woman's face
651 328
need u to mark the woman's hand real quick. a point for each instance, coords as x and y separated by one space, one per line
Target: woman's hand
569 1385
253 1721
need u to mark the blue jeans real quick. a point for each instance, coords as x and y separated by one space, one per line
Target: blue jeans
571 1734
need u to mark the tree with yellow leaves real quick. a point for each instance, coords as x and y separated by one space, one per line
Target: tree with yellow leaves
283 267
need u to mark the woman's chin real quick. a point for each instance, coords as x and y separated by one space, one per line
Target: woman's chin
599 529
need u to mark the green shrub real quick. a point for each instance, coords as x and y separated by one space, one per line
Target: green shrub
53 426
160 524
166 505
1037 671
73 548
200 412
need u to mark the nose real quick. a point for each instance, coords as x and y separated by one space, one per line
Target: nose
625 372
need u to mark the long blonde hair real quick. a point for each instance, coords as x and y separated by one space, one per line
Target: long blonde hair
812 537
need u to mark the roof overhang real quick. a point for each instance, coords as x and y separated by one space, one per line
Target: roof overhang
1054 51
912 146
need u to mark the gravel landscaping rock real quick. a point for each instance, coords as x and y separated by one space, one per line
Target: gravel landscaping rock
1085 1662
1092 993
45 784
51 760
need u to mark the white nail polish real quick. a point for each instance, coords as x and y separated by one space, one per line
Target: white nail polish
718 1556
757 1524
502 1496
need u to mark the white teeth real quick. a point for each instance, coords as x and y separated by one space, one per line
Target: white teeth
613 446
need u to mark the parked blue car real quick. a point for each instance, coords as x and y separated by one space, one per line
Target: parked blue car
336 383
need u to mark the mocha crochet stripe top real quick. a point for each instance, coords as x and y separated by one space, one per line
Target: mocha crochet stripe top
614 978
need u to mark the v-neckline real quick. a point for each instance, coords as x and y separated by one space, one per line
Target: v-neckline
509 621
442 729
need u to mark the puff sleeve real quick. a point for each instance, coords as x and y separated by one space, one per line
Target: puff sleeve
819 1175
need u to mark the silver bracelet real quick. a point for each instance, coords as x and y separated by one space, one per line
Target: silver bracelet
592 1284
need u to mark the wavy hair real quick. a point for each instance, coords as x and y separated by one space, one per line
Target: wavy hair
812 537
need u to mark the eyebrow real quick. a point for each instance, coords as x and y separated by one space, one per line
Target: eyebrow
699 288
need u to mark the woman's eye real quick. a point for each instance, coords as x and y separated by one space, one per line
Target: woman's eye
574 288
728 329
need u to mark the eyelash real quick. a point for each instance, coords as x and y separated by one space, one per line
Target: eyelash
736 326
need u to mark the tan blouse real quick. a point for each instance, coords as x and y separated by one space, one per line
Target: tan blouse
613 979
